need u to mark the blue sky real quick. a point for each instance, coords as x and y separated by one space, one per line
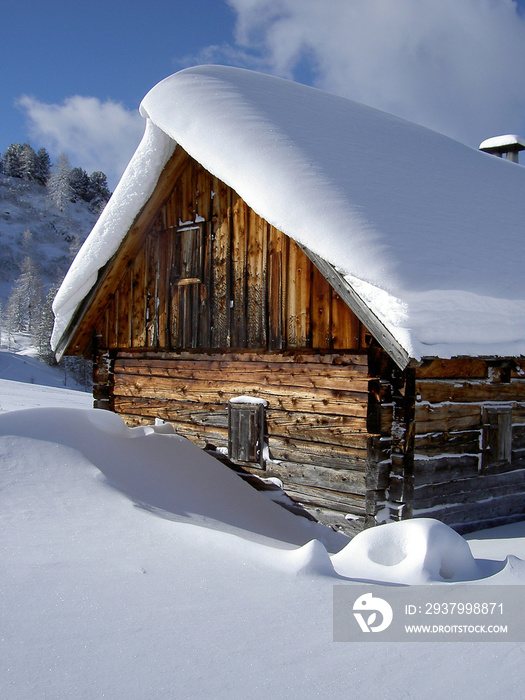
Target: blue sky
74 72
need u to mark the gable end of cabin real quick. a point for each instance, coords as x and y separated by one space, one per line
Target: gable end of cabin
205 303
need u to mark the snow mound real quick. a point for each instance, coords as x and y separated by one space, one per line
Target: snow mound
412 551
310 559
168 475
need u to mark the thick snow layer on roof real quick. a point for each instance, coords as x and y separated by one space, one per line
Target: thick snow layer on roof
427 231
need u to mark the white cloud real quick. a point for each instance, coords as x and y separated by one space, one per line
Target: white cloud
95 135
453 65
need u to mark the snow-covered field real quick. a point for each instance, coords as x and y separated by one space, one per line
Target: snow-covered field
134 566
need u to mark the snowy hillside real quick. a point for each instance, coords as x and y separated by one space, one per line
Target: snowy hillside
56 235
135 566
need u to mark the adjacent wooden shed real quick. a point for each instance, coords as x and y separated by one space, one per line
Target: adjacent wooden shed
259 339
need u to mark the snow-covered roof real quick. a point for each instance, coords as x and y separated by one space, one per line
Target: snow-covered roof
427 232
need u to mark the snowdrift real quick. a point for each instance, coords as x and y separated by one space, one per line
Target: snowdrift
167 475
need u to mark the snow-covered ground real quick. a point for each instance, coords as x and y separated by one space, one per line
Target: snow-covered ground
135 566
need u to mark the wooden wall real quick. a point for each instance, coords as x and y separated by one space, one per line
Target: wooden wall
450 469
317 440
213 303
209 273
206 301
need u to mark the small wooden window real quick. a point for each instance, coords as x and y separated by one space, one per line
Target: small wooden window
497 437
246 424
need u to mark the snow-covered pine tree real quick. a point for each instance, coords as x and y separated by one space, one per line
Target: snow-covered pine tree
43 166
45 328
12 160
58 185
25 301
79 183
28 162
98 192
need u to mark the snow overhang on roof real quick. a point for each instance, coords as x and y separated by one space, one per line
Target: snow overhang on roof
426 232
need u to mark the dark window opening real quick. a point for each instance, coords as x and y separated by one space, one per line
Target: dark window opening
497 437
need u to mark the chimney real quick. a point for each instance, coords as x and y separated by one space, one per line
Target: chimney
509 145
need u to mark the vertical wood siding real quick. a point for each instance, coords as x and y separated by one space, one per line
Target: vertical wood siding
207 301
209 273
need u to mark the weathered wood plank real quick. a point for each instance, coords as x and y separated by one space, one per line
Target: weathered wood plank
170 386
339 430
221 267
205 289
285 403
112 319
305 355
256 275
299 298
439 470
343 480
146 363
501 509
239 320
164 264
263 377
332 456
453 443
138 300
276 289
466 368
469 391
469 490
124 310
324 498
319 427
321 312
198 413
445 417
345 327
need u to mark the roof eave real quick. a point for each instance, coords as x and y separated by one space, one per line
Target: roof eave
363 312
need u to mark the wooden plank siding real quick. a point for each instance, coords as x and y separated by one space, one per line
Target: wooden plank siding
244 283
455 475
316 421
206 301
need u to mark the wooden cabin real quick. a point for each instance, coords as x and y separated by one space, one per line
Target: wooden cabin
256 347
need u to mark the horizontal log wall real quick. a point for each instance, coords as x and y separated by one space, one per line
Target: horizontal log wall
202 272
316 421
454 477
